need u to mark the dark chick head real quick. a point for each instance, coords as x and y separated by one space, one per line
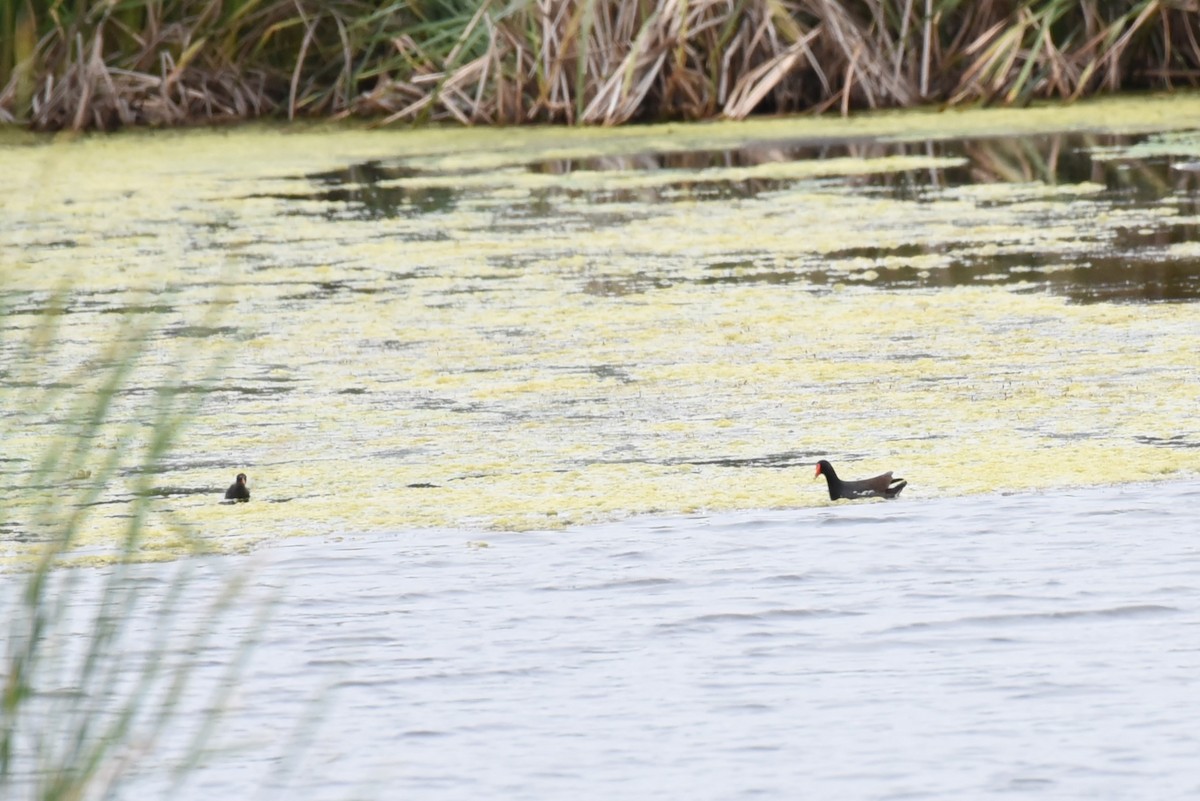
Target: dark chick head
238 491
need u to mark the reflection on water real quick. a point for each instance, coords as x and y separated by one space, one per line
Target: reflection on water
1128 277
1054 159
1126 265
360 187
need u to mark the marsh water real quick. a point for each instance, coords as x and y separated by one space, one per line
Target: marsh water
530 419
1029 645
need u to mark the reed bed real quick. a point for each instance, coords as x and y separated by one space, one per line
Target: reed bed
111 63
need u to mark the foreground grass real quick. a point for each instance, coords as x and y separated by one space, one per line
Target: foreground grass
108 64
99 665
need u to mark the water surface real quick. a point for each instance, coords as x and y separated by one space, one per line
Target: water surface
1035 644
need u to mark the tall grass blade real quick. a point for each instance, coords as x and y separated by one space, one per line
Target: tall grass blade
94 676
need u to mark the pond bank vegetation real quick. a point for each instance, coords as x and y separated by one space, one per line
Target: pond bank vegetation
103 65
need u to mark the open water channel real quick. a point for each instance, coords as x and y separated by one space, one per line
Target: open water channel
1029 645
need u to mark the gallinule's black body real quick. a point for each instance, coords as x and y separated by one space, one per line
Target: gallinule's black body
238 491
881 486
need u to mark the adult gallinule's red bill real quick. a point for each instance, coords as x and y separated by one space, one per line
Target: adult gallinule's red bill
881 486
238 491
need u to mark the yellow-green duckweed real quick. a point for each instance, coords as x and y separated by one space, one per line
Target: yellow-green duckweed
446 337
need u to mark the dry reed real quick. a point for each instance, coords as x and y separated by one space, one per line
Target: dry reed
109 64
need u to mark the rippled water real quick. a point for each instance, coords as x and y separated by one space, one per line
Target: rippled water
1029 645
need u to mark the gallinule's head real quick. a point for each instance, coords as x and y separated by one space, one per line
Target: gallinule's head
238 491
824 468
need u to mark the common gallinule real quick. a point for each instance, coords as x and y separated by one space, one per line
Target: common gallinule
238 491
881 486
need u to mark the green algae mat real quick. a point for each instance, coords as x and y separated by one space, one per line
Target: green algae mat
539 328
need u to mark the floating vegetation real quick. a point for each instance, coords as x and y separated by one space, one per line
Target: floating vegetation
618 333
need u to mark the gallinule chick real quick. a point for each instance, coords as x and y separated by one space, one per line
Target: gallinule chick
238 491
881 486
